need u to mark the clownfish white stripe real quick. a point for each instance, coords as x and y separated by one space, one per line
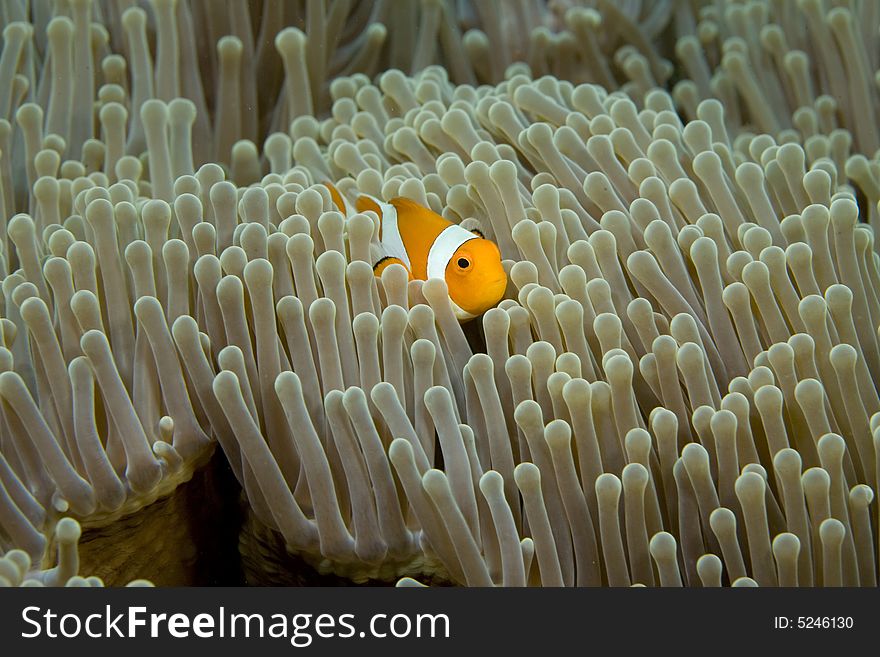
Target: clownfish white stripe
444 247
390 238
389 234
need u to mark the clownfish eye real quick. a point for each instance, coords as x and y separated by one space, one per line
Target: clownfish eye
463 263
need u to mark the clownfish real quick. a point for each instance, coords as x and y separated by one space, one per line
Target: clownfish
428 246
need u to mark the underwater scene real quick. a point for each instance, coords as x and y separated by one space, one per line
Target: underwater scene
439 293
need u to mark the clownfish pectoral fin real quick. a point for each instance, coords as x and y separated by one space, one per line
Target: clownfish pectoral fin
386 262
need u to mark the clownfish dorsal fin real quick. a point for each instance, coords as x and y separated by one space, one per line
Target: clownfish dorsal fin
410 209
404 203
366 203
343 204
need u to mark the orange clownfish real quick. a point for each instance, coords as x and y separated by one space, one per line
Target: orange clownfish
428 246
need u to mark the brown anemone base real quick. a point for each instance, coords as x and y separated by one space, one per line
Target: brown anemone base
177 540
266 561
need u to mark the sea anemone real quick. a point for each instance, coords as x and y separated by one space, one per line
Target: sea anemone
97 417
649 348
678 389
